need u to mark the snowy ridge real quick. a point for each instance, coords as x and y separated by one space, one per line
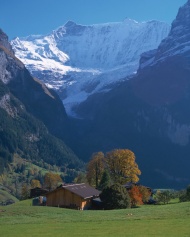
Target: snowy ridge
78 61
178 41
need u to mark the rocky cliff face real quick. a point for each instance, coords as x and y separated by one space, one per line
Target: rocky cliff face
178 41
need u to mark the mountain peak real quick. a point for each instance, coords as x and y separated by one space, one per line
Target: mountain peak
3 36
128 20
183 16
70 28
178 40
70 24
4 41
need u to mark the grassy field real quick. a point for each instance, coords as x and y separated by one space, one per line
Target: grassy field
22 219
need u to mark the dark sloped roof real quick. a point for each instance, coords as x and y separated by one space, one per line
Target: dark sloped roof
83 190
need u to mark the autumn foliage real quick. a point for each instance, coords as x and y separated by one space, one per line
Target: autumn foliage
35 183
122 166
120 163
52 180
136 196
146 193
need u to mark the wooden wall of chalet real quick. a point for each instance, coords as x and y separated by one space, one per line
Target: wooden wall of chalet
65 198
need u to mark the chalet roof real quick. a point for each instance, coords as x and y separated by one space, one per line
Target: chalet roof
83 190
35 192
41 189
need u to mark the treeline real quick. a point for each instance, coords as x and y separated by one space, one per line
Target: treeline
21 172
116 173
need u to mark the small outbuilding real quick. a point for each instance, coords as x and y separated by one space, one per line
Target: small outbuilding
36 192
76 196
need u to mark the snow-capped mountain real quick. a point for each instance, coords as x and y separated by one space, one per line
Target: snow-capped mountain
78 61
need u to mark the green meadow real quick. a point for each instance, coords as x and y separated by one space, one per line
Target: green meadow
22 219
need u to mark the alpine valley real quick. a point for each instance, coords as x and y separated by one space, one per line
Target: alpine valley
30 118
123 85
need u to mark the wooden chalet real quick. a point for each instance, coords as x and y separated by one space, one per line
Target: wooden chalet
76 196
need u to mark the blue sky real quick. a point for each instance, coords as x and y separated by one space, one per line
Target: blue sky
25 17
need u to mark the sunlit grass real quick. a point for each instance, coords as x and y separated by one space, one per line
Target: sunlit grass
22 219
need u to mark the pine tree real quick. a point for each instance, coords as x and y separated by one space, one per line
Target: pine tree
105 180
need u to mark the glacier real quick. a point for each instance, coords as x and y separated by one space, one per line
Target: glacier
78 61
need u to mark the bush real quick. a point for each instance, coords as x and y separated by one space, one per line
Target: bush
185 196
163 197
115 197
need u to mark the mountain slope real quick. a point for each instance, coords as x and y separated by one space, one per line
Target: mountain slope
78 61
149 113
25 103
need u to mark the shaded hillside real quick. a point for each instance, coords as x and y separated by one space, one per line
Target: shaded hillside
27 110
150 113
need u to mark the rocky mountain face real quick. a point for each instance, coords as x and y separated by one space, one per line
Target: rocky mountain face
150 113
4 42
28 109
178 40
78 61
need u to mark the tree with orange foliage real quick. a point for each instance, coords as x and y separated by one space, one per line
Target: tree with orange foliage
136 196
122 166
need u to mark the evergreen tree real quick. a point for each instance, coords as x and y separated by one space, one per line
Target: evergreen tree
105 180
115 197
